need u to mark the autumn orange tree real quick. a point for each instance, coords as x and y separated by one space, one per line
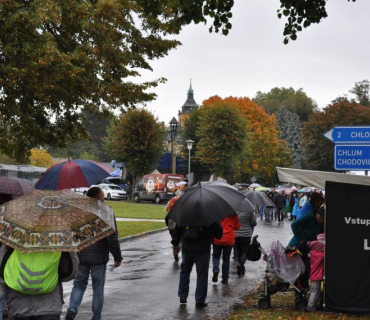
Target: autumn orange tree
319 151
264 151
41 158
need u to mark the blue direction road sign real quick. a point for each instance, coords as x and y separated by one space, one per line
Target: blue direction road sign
355 135
351 157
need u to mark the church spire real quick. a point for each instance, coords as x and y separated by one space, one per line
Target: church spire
190 102
190 91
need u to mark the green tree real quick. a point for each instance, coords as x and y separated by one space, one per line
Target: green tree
137 139
60 56
4 159
92 147
222 138
361 91
294 100
189 132
301 14
318 151
290 131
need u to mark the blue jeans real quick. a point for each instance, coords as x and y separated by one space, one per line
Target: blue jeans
2 302
280 214
201 261
262 209
269 212
98 273
226 253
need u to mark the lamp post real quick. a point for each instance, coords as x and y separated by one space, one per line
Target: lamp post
189 144
173 127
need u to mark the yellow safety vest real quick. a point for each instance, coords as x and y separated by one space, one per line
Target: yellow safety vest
32 273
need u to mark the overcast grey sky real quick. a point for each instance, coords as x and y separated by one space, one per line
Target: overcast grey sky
326 60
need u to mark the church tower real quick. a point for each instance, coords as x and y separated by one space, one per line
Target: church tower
188 107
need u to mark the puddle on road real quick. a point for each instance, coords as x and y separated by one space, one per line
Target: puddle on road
141 249
132 278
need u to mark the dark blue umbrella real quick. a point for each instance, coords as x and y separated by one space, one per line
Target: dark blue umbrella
72 174
206 203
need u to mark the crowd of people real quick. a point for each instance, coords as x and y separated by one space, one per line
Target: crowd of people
305 209
196 244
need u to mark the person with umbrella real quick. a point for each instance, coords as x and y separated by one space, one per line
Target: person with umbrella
224 246
41 233
243 238
197 215
11 188
196 249
93 260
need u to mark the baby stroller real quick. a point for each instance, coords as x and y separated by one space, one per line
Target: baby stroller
283 268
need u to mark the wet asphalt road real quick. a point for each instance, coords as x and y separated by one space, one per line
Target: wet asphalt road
145 286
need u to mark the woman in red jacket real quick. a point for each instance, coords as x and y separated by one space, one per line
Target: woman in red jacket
224 246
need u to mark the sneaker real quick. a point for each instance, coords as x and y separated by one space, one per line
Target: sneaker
224 281
215 276
183 300
70 315
201 304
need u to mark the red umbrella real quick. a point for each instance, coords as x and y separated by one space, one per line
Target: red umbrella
72 174
15 186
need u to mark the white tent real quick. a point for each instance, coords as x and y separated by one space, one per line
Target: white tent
318 178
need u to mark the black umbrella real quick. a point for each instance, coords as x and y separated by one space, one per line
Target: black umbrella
206 203
258 198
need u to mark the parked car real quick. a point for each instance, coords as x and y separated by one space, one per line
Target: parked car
115 180
81 190
112 191
157 187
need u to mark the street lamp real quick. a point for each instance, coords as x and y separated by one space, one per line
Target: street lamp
173 127
189 144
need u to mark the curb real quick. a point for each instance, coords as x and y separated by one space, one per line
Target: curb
140 235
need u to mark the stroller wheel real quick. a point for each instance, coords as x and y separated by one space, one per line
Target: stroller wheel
264 302
300 303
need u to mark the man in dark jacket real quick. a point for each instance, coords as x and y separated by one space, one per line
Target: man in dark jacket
195 250
94 260
280 206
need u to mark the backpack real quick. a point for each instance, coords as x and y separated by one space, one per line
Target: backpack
193 234
254 252
32 273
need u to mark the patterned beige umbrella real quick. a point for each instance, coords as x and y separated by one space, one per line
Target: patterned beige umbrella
54 221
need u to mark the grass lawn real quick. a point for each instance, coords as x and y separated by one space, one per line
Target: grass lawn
282 308
130 228
124 209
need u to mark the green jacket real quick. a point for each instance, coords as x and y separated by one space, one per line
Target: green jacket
304 229
25 305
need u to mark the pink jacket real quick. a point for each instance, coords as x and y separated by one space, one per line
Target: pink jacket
317 258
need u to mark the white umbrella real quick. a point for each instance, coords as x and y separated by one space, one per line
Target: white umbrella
254 185
181 183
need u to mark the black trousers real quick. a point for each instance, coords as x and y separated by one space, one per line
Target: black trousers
242 245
